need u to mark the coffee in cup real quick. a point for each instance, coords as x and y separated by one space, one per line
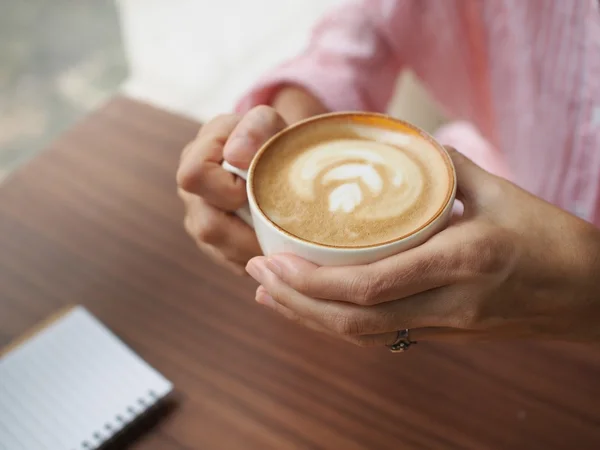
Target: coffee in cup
352 181
349 188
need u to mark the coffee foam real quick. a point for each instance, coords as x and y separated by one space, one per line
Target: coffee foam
341 183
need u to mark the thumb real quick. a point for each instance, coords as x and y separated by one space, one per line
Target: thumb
475 186
255 128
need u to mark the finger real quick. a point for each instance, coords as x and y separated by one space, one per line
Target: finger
422 310
373 340
218 258
256 127
211 226
221 125
461 253
217 130
392 278
424 334
420 269
200 170
476 187
264 298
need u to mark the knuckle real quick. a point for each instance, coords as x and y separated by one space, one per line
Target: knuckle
236 269
489 253
467 318
209 229
189 178
261 122
216 123
464 312
367 288
263 113
186 150
184 196
220 259
412 273
471 318
185 178
346 324
223 117
304 283
295 318
494 190
364 341
188 225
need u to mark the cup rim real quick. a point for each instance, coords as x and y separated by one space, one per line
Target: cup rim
450 196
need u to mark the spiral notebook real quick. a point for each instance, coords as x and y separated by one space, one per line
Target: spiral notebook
73 385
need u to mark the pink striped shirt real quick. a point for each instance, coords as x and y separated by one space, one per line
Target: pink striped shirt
526 73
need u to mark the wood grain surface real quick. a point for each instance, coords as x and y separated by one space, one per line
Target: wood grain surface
95 220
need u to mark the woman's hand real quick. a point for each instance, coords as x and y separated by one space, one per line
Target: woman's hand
211 194
513 266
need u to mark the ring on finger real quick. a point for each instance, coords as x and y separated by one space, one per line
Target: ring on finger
402 342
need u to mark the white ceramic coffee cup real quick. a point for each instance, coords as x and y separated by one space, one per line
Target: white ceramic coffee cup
273 239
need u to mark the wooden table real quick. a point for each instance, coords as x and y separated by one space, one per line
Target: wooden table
95 220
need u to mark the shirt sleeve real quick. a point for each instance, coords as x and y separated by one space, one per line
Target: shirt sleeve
353 58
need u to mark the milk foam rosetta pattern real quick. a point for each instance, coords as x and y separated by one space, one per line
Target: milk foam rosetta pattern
354 172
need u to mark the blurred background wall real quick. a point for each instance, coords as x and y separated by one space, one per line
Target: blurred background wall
58 59
61 58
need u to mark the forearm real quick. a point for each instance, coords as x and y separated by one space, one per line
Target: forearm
351 62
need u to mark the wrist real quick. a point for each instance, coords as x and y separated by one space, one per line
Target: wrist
295 103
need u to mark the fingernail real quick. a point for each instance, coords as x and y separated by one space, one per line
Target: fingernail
265 299
274 266
239 141
256 268
280 265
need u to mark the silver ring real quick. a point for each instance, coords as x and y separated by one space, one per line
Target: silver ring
402 342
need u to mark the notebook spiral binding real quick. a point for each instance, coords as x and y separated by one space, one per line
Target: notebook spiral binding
121 422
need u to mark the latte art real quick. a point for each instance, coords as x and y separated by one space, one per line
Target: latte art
347 184
353 172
